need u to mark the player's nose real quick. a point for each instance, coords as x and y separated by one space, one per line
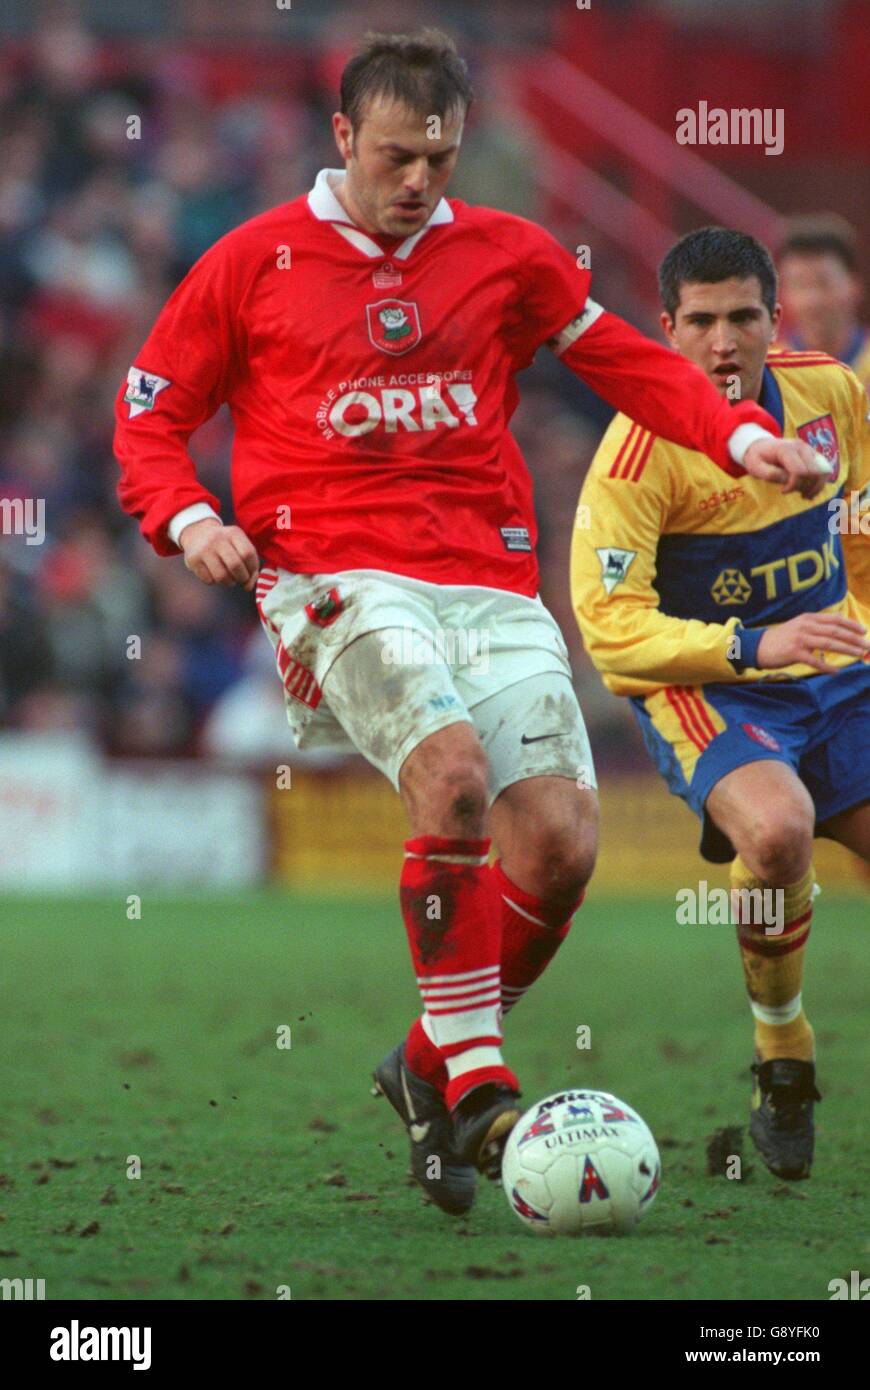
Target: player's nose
417 176
724 341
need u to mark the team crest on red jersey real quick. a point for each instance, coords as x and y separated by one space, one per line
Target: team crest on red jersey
394 325
821 435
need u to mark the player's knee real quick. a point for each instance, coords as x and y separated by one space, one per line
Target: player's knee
564 859
783 847
460 795
466 804
569 870
445 784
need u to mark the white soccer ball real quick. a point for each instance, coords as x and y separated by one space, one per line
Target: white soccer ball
581 1162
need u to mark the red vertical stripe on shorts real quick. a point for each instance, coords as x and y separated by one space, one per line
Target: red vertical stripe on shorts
703 717
691 731
694 712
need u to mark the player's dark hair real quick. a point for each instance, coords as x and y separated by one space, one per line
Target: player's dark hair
423 71
824 235
713 254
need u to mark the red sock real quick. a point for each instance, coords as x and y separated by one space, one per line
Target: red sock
528 944
423 1056
454 930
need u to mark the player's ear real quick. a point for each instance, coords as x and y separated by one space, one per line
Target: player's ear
343 132
776 320
667 324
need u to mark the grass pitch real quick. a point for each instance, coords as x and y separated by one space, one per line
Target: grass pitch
264 1167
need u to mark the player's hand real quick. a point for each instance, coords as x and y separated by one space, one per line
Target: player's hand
806 637
219 554
787 461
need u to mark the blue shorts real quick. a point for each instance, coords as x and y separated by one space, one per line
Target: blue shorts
819 726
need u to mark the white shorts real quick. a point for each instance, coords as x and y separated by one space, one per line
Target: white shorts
376 662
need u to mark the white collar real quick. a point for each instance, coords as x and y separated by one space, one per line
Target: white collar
326 208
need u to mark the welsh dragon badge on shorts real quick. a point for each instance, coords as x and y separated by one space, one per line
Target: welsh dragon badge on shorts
325 609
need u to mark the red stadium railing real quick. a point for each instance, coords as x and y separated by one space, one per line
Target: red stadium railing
640 142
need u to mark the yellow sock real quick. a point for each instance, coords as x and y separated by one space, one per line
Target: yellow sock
773 959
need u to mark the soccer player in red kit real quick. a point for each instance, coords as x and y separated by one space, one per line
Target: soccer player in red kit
367 338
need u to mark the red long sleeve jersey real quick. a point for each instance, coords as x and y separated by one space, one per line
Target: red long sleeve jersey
371 383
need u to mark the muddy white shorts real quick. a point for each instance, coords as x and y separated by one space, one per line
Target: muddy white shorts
376 662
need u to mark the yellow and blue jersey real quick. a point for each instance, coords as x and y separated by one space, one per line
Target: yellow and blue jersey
675 576
856 355
670 563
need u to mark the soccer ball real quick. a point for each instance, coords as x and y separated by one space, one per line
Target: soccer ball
581 1162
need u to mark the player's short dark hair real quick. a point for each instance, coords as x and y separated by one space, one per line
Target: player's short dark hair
713 254
424 71
825 234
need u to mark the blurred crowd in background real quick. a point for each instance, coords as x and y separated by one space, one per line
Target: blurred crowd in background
96 229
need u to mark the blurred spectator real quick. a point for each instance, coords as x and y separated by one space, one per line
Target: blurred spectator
25 652
821 290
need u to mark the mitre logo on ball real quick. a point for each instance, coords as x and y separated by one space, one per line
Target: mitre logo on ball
394 325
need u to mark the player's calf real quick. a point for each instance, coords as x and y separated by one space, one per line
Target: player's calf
547 831
531 935
767 814
450 909
773 927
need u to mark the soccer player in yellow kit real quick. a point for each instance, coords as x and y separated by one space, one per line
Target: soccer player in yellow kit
735 620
